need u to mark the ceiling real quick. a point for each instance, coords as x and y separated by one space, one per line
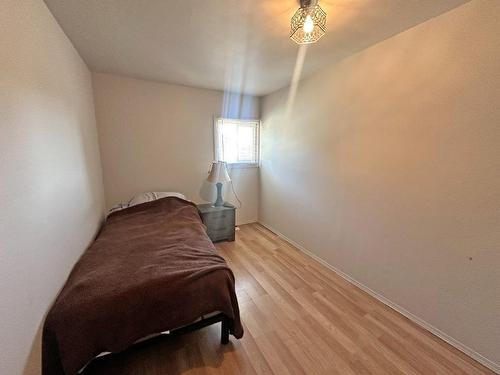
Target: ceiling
232 45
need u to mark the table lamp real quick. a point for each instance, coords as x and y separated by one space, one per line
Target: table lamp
218 175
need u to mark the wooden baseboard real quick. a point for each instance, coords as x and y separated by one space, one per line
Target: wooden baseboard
435 331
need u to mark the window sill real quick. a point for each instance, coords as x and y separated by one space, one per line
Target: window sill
242 165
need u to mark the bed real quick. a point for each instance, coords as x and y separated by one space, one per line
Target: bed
151 269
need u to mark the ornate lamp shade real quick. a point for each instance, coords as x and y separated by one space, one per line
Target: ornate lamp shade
308 23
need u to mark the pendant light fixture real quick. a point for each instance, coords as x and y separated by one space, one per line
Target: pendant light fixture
308 23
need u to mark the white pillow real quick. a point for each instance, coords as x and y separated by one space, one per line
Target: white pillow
152 196
146 197
164 194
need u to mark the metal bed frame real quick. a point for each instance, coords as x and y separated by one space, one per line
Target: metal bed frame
205 322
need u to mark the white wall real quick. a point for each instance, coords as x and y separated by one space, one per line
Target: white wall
388 168
51 198
159 137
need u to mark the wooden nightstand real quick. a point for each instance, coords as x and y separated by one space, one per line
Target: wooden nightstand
220 221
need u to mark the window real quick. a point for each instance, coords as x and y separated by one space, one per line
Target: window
237 141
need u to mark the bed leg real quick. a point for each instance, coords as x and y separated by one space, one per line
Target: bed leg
224 331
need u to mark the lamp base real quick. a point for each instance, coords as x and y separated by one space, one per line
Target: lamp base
219 202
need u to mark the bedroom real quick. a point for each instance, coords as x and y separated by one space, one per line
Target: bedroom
357 226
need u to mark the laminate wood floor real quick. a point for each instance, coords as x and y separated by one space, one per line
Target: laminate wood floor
299 318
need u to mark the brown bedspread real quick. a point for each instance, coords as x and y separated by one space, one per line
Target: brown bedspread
151 269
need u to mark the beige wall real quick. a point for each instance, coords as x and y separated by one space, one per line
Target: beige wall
51 198
388 168
159 137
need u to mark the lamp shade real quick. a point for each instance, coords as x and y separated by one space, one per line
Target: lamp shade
218 173
308 23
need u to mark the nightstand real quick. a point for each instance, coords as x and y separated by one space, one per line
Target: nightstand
220 221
